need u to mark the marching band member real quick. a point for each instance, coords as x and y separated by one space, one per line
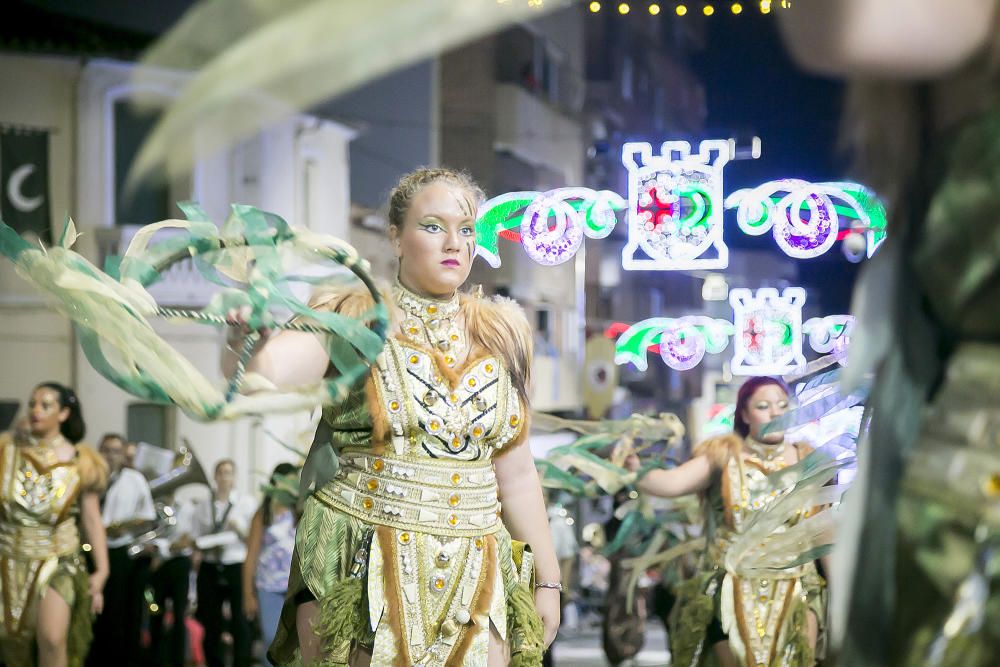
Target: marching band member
126 510
221 527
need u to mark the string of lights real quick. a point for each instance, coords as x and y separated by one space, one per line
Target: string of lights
683 8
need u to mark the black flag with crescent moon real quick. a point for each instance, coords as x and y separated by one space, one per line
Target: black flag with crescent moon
24 180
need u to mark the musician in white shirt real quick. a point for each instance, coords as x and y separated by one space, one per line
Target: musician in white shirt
126 509
171 581
221 528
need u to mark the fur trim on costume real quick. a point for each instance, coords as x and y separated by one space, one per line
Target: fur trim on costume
81 627
351 300
343 616
496 325
719 450
92 469
380 420
692 615
724 447
500 326
393 594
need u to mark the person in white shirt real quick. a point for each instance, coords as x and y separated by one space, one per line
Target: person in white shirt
127 509
221 528
171 581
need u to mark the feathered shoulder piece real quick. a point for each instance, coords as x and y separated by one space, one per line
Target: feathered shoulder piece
499 325
350 300
719 450
92 468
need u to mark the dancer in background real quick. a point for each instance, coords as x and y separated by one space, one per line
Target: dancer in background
47 482
745 621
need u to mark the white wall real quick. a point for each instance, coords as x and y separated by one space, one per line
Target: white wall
373 245
35 346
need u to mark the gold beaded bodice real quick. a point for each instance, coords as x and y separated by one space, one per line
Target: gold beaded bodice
754 610
749 490
37 490
466 415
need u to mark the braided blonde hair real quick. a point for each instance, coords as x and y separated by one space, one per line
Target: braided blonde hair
410 184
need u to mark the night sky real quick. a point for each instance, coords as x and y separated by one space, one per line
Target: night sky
753 88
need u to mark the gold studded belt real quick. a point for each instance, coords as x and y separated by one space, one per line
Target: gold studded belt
39 542
435 496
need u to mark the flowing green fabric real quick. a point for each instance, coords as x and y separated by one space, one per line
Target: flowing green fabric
583 467
254 255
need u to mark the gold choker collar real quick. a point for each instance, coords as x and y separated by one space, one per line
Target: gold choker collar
424 308
764 451
432 321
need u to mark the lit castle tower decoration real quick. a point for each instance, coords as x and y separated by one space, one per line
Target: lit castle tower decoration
675 206
767 331
768 339
675 213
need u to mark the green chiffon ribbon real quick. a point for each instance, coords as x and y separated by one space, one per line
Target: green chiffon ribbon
252 257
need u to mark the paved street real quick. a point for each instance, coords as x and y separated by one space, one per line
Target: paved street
584 649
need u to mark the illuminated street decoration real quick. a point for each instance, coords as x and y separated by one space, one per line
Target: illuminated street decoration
550 225
767 332
674 206
806 218
683 341
768 339
675 213
829 334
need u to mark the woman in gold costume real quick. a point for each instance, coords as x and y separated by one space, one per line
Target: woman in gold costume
47 599
721 618
403 554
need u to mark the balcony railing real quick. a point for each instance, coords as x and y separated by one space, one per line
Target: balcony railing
536 132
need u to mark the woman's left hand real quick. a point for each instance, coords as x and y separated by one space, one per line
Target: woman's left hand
548 607
96 589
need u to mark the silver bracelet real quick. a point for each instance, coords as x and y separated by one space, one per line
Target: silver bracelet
554 585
